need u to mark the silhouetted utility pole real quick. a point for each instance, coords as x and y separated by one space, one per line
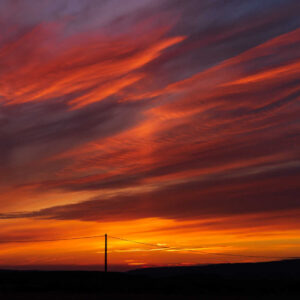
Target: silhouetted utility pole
105 254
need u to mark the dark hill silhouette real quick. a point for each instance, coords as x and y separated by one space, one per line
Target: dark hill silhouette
270 280
287 269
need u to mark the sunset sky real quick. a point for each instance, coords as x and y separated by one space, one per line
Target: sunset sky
169 122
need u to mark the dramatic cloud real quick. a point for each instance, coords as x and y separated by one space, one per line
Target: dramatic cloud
170 111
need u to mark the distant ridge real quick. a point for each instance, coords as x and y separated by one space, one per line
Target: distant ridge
260 270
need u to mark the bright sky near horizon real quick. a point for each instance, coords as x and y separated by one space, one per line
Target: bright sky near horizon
164 121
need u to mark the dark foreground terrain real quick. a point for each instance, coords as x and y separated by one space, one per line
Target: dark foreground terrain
272 280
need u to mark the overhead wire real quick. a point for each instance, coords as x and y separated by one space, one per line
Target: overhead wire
52 240
159 246
163 247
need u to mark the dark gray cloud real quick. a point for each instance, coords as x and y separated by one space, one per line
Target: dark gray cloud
207 145
228 194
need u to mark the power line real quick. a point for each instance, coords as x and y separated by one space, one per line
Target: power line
161 247
52 240
202 252
132 241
